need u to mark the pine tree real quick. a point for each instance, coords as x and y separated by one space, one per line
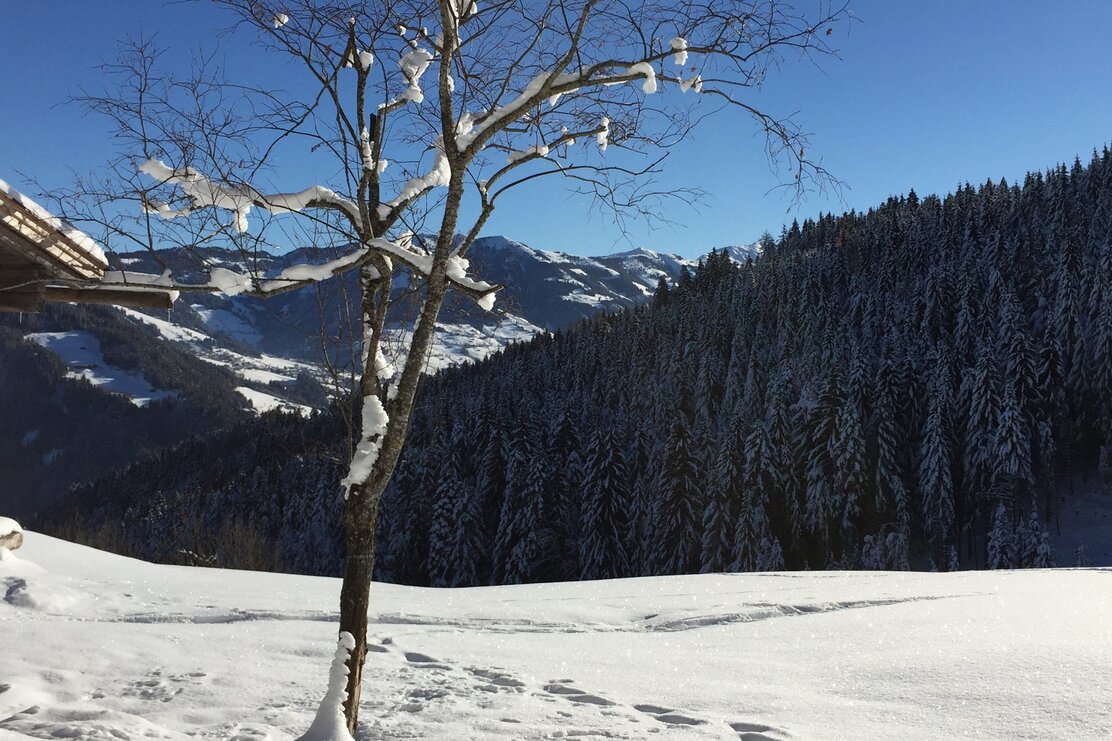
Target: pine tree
677 533
723 493
935 482
605 485
1001 541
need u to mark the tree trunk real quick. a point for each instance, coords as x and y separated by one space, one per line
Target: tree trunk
361 506
360 515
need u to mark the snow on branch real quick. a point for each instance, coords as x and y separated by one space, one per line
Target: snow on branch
232 283
239 199
679 47
375 421
438 176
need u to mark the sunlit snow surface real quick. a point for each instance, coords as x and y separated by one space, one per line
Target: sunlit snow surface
80 351
96 646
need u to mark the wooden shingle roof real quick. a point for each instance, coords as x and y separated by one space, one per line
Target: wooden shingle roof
42 258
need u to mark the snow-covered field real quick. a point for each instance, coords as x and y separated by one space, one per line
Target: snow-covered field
80 351
96 646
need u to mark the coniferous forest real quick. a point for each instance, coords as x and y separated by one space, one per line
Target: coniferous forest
902 388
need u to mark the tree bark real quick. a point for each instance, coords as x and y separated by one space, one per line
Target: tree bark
360 516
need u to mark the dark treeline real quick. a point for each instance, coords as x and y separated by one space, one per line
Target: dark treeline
902 388
888 389
261 494
55 431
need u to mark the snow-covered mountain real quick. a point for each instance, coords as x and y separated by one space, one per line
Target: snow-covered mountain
99 646
544 290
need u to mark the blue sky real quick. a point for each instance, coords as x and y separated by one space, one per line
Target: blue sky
925 96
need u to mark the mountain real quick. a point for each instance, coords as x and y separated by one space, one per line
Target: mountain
544 290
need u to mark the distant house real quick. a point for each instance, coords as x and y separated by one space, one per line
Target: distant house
42 258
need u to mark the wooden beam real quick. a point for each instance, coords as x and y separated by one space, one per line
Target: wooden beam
22 301
139 299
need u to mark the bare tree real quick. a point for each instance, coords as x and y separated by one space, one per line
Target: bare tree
469 100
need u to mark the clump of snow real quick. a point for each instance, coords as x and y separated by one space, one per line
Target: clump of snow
692 82
314 273
366 59
229 282
414 63
645 70
238 199
679 46
375 421
329 723
9 526
603 136
538 149
438 176
279 20
457 271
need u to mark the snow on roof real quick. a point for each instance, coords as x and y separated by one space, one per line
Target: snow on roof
79 237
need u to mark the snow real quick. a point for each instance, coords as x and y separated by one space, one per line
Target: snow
314 273
80 350
541 150
262 376
229 322
125 280
110 647
82 239
264 402
279 20
602 138
168 330
9 526
695 82
679 46
414 63
239 199
229 282
644 69
373 429
329 724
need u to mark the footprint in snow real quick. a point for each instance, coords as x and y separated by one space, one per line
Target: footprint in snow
758 732
668 715
423 661
576 695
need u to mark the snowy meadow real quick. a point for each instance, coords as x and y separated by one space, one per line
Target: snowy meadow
97 646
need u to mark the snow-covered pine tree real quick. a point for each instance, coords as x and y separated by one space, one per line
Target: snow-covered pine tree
1001 540
935 482
605 483
677 527
723 495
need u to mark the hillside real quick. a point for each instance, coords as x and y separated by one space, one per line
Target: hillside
545 290
919 386
225 356
116 648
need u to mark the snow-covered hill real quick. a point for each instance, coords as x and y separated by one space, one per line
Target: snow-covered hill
544 290
95 646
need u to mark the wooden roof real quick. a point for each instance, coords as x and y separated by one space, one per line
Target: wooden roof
42 259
